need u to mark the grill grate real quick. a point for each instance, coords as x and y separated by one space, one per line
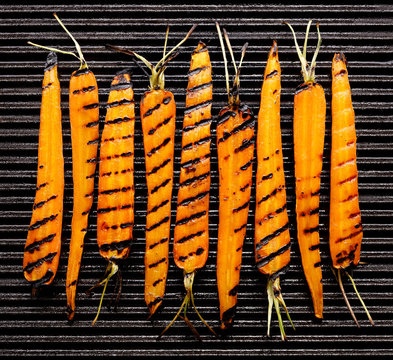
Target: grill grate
39 326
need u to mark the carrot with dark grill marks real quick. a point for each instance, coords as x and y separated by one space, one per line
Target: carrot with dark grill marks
345 230
191 238
272 239
158 113
235 148
84 118
42 249
115 209
309 135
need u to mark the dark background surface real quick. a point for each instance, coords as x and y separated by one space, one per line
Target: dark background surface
39 327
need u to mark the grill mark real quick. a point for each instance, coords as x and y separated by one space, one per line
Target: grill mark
242 207
183 258
273 214
91 106
93 160
189 237
157 282
233 291
316 193
244 125
157 224
276 233
342 72
121 86
350 197
246 165
245 144
163 184
166 121
314 247
42 203
350 236
196 143
42 222
51 61
314 211
89 195
36 283
155 208
84 90
201 105
86 212
202 122
195 178
41 166
163 164
154 302
229 314
240 228
318 264
106 174
267 177
31 266
151 110
301 88
243 189
93 142
264 261
199 251
157 263
167 100
118 246
36 244
189 200
123 207
119 120
92 124
125 171
118 103
280 272
191 218
113 191
91 176
195 161
81 72
341 164
274 192
266 158
162 241
106 210
273 73
47 86
157 148
311 230
196 70
41 186
356 214
348 179
126 225
200 87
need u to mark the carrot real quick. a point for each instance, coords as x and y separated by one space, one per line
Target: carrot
158 115
272 240
84 119
345 230
115 207
42 249
191 238
308 136
235 149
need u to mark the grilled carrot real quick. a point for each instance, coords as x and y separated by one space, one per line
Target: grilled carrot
308 135
345 230
115 207
158 113
84 119
272 240
191 238
42 249
235 149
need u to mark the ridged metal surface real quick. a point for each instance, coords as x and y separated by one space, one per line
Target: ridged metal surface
39 327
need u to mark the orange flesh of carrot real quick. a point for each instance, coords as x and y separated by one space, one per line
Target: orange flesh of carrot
42 249
235 147
346 230
84 117
158 112
272 239
309 133
115 207
191 238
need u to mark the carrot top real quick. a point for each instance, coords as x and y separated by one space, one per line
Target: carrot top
308 70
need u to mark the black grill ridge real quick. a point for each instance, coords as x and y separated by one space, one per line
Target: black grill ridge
31 327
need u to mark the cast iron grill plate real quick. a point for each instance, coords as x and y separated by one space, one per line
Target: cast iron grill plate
38 326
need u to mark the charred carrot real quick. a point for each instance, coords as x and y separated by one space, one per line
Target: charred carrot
84 119
235 149
308 136
191 238
115 207
158 113
272 240
42 249
345 230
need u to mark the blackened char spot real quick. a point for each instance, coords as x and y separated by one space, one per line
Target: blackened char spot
342 72
47 86
126 225
157 282
273 73
196 143
118 103
233 291
314 247
41 186
51 61
244 125
155 302
81 72
121 86
240 228
162 241
167 100
199 251
350 236
246 165
300 88
228 315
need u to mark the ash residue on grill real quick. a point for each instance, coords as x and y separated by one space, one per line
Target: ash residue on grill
39 327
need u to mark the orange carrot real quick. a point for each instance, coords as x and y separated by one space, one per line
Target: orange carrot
158 113
42 249
115 207
191 238
346 231
272 240
308 135
235 149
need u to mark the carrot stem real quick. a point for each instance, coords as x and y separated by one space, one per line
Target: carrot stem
345 297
